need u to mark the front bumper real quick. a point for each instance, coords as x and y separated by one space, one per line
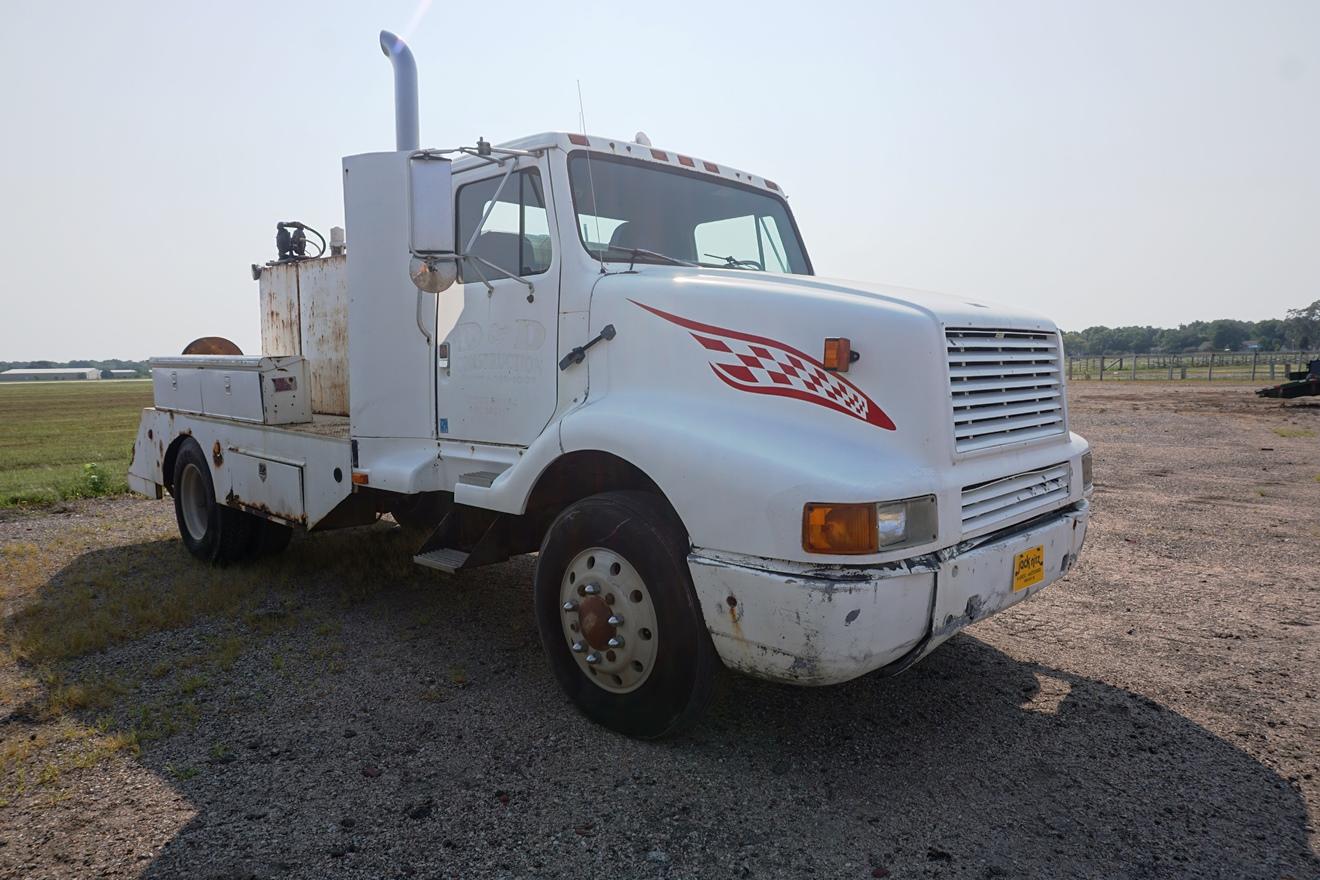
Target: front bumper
817 625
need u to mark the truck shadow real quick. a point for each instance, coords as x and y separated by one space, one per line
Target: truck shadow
353 716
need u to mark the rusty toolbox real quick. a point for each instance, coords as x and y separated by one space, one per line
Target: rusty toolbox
264 390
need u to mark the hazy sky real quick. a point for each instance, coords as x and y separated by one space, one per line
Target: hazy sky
1102 162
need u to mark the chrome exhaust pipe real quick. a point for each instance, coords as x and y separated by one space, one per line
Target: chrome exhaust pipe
405 91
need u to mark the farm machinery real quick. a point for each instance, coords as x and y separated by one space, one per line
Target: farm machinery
1301 383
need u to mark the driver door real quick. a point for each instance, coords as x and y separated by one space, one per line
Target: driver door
497 371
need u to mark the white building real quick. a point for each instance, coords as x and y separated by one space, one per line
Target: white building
49 374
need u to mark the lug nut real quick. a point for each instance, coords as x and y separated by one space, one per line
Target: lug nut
616 620
591 589
593 658
616 642
578 647
570 606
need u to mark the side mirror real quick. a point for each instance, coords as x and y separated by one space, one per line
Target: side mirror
434 266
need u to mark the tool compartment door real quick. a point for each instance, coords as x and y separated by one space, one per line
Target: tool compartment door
274 488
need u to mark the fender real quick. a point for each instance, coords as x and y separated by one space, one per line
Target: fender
766 469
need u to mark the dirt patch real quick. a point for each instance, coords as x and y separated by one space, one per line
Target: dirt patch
340 712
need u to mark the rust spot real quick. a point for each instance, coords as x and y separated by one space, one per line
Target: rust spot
216 455
262 509
594 615
150 434
733 601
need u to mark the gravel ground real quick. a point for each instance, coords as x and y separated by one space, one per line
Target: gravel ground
350 715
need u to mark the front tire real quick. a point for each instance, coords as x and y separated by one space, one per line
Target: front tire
618 616
211 532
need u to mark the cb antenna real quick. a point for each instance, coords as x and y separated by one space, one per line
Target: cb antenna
591 181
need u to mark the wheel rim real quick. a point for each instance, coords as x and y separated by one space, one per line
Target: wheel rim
194 502
609 620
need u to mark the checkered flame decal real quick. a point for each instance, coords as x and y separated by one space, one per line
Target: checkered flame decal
763 366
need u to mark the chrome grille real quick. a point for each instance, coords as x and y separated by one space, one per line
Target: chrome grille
1012 498
1006 386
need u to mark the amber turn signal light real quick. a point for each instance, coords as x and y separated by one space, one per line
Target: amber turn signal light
844 529
838 354
360 478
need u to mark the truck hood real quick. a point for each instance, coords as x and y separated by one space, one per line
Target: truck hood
721 372
947 310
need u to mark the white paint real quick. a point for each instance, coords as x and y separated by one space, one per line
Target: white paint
736 466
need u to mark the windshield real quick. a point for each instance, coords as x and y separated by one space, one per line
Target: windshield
630 211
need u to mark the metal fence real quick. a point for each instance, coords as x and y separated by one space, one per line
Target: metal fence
1204 366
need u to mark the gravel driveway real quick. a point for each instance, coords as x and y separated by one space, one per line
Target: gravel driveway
343 713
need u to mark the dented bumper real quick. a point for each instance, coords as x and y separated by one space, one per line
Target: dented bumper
818 625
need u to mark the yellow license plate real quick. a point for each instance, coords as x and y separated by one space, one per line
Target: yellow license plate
1029 568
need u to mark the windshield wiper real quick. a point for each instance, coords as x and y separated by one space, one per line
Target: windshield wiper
635 252
735 263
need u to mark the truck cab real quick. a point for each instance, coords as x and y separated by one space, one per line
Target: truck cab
620 357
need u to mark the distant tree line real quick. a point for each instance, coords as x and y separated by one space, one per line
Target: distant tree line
1299 330
110 364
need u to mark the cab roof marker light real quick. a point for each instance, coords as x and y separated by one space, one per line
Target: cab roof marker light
711 166
774 186
686 160
659 154
580 139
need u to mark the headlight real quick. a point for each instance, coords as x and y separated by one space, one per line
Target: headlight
850 529
1088 481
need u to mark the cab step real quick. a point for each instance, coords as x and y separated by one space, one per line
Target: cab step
481 479
466 538
447 559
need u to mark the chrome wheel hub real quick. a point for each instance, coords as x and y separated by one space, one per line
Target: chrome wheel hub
193 501
609 620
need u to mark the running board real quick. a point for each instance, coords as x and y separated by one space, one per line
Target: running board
466 538
446 559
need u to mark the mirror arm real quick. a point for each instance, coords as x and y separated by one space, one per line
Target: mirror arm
531 288
420 325
490 288
495 198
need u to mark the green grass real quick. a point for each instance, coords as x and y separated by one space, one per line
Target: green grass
61 440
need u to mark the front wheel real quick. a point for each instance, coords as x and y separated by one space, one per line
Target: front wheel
618 616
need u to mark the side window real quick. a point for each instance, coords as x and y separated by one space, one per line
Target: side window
516 235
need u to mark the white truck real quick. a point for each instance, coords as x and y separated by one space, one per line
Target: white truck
620 357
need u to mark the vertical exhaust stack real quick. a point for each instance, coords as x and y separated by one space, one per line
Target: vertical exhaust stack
405 91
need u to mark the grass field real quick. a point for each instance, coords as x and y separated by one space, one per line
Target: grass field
61 440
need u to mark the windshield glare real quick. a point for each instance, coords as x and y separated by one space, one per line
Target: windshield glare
622 205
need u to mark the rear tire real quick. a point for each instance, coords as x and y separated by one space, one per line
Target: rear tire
623 556
211 532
